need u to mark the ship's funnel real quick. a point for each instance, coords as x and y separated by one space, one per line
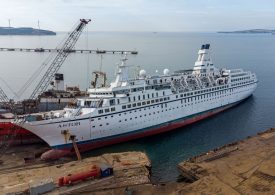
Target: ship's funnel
204 64
206 46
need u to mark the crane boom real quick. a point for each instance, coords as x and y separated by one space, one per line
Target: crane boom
61 56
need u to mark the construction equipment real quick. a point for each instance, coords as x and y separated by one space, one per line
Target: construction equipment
59 59
99 75
3 97
54 66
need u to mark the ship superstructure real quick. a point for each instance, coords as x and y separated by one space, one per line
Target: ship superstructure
133 108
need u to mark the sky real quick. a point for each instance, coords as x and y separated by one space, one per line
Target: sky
141 15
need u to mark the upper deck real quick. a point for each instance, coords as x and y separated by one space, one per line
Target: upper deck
145 89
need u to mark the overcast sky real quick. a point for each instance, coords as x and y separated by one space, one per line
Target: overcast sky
141 15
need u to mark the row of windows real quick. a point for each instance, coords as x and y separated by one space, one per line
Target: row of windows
242 83
145 103
238 75
209 95
134 98
156 106
213 89
102 93
107 110
240 79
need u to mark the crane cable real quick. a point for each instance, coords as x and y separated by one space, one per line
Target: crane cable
88 59
9 87
38 71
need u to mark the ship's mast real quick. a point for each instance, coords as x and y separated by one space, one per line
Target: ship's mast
122 74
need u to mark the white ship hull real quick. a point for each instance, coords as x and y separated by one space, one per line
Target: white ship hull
89 130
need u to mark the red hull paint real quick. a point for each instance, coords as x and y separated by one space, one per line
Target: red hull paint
58 153
23 136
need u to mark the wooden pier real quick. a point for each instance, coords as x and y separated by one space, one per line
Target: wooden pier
40 50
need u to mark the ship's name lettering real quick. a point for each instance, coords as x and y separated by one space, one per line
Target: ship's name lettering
74 124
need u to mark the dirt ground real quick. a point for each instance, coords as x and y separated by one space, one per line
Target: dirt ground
130 168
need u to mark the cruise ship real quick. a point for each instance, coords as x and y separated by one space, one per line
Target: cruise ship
131 108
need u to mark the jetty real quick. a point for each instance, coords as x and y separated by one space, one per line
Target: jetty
93 51
243 167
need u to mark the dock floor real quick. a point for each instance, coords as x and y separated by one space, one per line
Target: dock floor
130 168
244 167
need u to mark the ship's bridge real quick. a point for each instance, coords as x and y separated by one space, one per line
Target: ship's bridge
100 92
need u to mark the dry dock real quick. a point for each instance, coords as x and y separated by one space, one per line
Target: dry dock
244 167
129 168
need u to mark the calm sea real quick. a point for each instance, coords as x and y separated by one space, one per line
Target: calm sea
156 52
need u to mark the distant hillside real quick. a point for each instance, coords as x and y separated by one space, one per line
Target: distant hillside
252 31
24 31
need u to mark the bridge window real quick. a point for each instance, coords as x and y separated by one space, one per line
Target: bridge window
112 102
100 111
